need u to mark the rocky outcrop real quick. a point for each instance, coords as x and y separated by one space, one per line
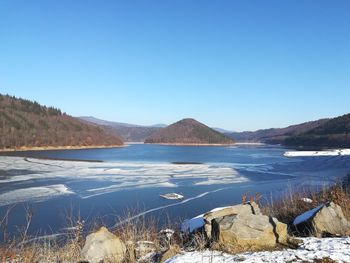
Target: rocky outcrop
243 227
103 246
324 220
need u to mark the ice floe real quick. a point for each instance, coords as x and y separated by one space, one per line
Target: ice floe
172 196
33 194
336 152
90 179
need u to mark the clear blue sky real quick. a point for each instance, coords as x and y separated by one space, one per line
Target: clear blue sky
235 64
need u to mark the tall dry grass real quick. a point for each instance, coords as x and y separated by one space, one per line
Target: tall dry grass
293 203
134 229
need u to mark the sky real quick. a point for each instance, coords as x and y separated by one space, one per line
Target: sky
234 64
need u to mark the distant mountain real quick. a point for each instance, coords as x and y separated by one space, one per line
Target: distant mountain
128 132
25 123
332 133
188 131
106 123
275 135
221 130
159 125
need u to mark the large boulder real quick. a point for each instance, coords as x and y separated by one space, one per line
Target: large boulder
243 227
103 246
324 220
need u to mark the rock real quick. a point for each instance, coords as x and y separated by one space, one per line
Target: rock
102 245
144 248
171 252
324 220
249 208
243 227
166 237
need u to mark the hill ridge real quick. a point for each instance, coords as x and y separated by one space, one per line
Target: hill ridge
188 131
27 124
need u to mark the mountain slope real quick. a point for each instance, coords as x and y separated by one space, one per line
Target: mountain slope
128 132
276 135
106 123
333 133
188 131
24 123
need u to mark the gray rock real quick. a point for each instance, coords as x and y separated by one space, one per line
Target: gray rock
244 227
328 220
102 245
244 209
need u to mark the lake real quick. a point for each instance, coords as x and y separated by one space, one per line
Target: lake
54 185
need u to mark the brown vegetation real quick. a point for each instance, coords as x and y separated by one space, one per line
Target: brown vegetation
276 135
292 203
24 123
188 131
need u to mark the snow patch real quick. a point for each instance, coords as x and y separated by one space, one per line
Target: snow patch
337 152
306 200
338 249
307 215
189 225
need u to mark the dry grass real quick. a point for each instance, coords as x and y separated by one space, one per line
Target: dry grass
292 203
136 229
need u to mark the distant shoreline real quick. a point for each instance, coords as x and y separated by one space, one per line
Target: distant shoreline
53 148
192 144
250 143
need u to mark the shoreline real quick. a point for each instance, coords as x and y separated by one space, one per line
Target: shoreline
331 152
53 148
250 143
192 144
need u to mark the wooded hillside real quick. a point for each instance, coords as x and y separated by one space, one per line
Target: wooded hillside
188 131
24 123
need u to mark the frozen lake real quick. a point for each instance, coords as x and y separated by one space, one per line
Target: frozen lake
133 177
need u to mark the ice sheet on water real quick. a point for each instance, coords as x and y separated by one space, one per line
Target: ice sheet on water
336 152
108 176
33 194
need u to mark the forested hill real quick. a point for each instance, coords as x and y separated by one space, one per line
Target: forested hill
333 133
24 123
188 131
275 135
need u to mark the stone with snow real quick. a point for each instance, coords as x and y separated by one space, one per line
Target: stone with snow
102 245
217 214
324 220
244 227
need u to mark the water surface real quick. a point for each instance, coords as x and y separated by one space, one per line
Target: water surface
133 177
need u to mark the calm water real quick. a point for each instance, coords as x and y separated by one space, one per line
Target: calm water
133 177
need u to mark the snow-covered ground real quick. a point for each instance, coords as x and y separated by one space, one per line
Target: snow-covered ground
337 249
336 152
